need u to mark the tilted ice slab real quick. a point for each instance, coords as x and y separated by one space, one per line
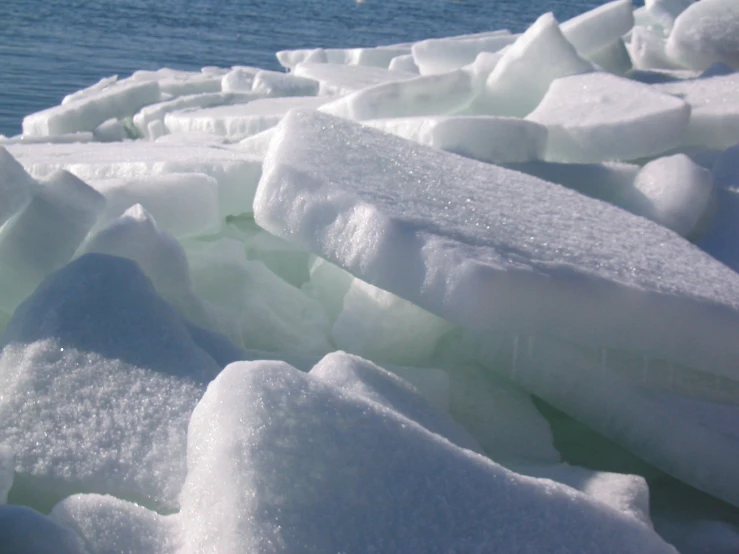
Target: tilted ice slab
441 94
593 30
497 251
241 120
120 99
295 446
705 33
714 104
446 54
16 186
45 235
521 77
99 377
600 117
486 138
236 172
337 79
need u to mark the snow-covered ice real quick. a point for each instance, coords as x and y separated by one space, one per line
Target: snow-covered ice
471 293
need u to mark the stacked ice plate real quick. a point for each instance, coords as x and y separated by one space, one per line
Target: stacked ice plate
470 294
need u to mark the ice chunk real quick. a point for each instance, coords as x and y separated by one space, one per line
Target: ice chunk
118 100
258 144
523 74
110 131
25 531
359 377
295 445
714 117
403 63
112 526
91 90
236 172
16 186
45 235
382 327
373 57
241 120
613 58
149 115
184 204
648 50
425 95
666 11
273 315
113 374
176 82
339 79
452 235
674 192
600 117
239 79
593 30
329 285
705 33
7 469
274 83
136 236
446 54
486 138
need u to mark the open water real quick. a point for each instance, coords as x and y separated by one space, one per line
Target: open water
49 48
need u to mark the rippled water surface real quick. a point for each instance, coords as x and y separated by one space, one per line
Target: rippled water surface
52 47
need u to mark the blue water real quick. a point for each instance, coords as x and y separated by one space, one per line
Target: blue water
49 48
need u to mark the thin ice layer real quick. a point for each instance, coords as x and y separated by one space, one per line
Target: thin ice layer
337 79
489 248
282 461
236 172
600 117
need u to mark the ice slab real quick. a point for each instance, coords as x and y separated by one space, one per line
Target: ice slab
613 58
45 235
276 84
593 30
714 103
486 138
113 374
665 12
239 121
25 531
120 99
404 63
434 56
441 94
340 79
445 232
599 117
705 33
272 314
526 69
16 186
383 327
176 82
322 438
146 119
236 172
184 204
7 469
674 192
373 57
